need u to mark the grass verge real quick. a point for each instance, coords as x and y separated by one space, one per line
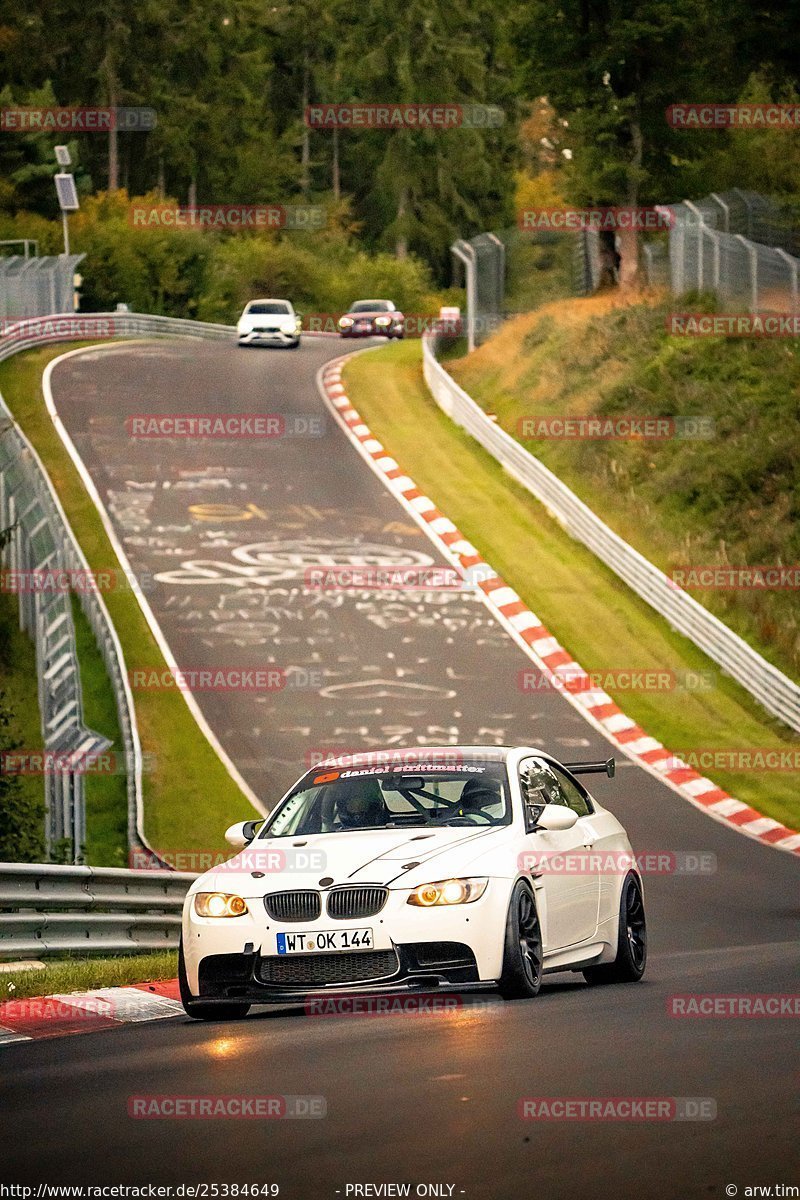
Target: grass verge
189 798
21 698
106 795
85 974
583 603
729 497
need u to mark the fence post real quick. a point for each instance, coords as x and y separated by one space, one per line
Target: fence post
500 282
748 209
752 251
466 254
700 228
792 264
726 210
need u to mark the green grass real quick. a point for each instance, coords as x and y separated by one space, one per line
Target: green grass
584 604
189 797
106 795
733 498
539 268
85 974
18 683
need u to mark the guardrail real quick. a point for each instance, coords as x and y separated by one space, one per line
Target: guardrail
47 910
43 540
774 690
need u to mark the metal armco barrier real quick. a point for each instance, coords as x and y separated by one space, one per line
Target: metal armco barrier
43 540
47 910
774 690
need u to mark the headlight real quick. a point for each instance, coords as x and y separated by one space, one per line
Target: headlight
218 904
448 891
383 320
345 322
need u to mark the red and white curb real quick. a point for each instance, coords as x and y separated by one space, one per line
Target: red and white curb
539 644
65 1013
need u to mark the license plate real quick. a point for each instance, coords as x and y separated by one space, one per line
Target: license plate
324 940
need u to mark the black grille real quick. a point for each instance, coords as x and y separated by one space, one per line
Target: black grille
293 906
352 903
317 969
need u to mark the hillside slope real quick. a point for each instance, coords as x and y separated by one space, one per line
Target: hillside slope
732 498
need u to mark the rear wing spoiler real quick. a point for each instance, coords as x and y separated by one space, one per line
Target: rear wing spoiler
609 768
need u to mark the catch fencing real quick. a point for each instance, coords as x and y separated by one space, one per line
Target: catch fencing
774 690
483 259
55 910
736 244
31 286
41 541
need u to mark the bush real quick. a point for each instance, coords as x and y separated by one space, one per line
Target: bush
21 813
152 269
318 278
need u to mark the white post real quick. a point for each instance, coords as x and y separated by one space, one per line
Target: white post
470 269
793 264
752 251
726 210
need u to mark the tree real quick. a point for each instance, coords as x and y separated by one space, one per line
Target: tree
418 189
612 69
21 811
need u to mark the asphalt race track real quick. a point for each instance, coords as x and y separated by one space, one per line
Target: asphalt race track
221 534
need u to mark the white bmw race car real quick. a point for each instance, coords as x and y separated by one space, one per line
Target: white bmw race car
422 869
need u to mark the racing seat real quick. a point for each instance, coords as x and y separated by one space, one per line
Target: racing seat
478 796
360 805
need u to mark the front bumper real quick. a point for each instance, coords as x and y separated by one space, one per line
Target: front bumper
251 940
390 331
416 967
270 337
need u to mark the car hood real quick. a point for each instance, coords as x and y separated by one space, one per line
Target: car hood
275 320
370 316
392 857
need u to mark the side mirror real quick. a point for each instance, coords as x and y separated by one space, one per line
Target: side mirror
555 817
241 834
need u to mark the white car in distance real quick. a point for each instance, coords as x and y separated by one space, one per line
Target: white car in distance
269 323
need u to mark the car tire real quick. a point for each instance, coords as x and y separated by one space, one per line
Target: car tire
294 345
204 1012
631 960
522 954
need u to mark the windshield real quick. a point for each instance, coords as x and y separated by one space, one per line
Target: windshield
262 308
336 800
372 306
